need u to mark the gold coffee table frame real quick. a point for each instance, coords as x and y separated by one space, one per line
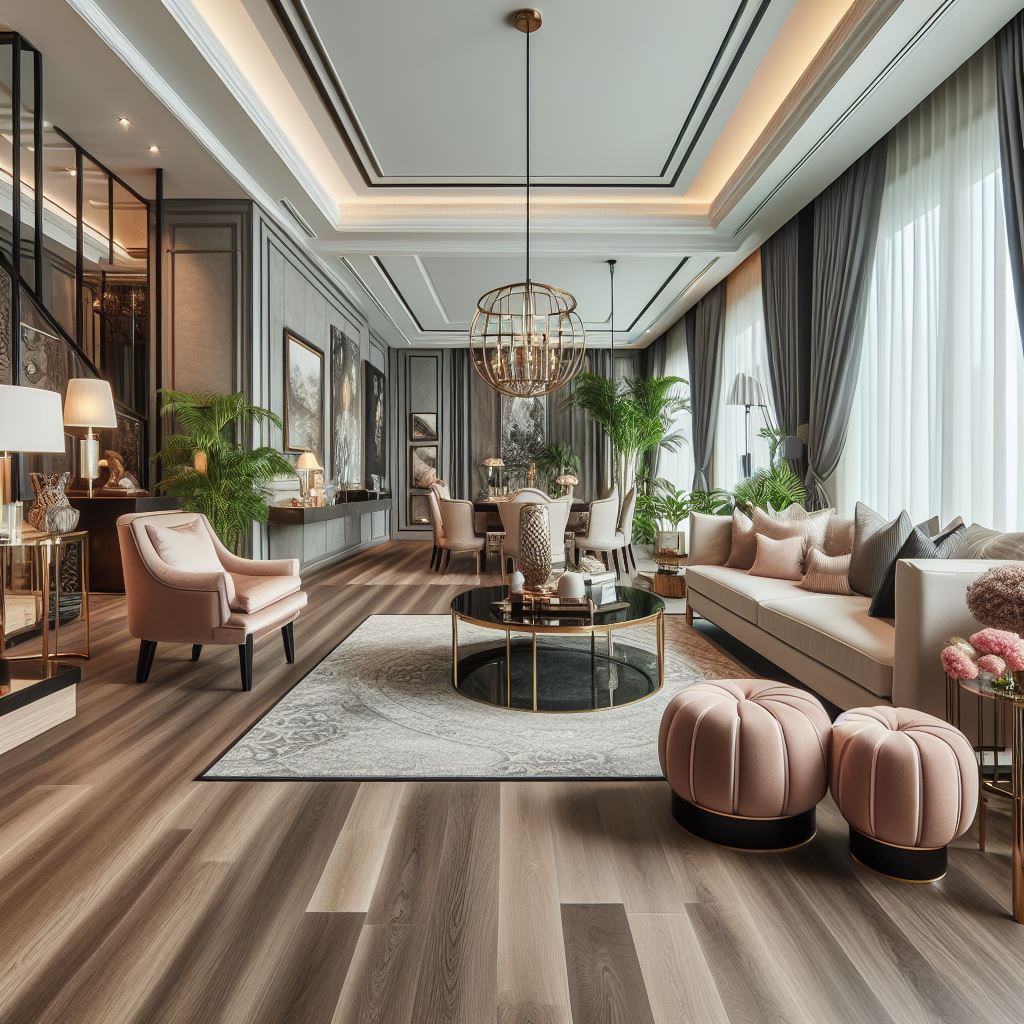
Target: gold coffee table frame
535 630
46 551
1011 786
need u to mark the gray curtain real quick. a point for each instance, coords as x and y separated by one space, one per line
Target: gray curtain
459 454
1010 95
845 231
575 428
652 364
705 328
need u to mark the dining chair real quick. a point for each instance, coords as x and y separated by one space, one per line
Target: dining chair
625 527
558 519
458 518
534 494
434 496
602 536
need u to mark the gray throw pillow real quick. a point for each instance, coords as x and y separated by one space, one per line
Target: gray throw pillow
876 543
985 543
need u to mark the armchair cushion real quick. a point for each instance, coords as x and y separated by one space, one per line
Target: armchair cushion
186 547
252 593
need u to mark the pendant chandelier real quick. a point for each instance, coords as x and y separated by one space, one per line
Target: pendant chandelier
526 338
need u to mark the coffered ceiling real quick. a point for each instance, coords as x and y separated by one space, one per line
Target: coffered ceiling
388 137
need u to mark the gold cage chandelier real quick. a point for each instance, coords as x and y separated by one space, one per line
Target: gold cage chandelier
526 338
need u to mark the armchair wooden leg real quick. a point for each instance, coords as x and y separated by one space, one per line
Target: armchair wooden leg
288 636
245 662
197 649
147 652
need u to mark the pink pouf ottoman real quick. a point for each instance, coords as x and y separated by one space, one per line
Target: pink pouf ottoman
907 784
747 761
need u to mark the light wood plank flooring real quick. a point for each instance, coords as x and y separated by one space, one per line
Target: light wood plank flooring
131 892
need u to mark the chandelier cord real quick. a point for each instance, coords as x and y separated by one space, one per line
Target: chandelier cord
611 275
528 34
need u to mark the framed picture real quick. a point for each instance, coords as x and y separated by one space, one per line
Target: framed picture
375 427
523 429
346 442
424 426
422 465
303 395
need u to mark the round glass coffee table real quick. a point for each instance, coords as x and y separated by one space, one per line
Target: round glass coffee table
547 662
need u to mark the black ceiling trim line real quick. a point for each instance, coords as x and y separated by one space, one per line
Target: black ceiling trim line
664 284
929 23
302 53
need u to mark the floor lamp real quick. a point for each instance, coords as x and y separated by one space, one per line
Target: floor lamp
747 392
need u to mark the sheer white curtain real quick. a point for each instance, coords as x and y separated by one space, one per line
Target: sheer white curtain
744 350
677 467
937 425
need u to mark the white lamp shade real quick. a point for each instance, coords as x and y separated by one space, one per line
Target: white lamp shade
30 420
745 390
307 460
89 403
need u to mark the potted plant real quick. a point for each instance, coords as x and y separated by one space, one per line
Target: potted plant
207 469
778 486
554 461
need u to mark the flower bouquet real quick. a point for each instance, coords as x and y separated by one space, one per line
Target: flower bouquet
993 655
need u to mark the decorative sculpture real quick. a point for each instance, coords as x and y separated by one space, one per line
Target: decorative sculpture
51 512
534 558
118 478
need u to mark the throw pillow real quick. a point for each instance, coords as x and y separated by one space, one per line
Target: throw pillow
744 547
876 543
779 559
827 574
186 547
839 537
795 521
951 543
985 543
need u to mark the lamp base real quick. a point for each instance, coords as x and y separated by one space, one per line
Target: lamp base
89 458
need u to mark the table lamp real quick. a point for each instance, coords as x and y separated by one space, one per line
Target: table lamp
307 464
89 403
30 421
746 391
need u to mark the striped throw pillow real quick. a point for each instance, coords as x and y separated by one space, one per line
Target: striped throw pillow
827 574
876 543
779 559
744 547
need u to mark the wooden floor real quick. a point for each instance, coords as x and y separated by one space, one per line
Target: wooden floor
131 892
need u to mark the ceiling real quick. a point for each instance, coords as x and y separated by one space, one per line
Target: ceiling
670 135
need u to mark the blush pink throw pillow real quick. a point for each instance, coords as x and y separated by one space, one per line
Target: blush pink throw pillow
186 547
779 559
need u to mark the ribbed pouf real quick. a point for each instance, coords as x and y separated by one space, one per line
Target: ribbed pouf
747 761
907 784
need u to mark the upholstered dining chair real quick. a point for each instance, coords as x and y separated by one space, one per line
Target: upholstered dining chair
602 536
509 512
534 494
625 527
458 518
558 520
438 490
182 586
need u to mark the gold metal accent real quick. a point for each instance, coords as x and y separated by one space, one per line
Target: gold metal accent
528 19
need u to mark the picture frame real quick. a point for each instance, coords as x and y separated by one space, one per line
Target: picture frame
303 395
375 426
346 413
423 426
422 465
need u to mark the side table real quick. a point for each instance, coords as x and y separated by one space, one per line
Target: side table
1003 701
41 574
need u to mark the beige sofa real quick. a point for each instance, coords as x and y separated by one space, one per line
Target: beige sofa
829 642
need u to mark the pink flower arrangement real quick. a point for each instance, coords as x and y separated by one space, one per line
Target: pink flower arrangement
1006 645
992 663
956 662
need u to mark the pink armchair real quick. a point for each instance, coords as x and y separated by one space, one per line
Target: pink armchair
183 586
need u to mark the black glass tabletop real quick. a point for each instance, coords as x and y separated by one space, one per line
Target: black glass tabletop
488 605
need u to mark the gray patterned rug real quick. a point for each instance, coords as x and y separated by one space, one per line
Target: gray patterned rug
381 705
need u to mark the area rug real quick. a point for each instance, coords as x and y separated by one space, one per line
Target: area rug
381 706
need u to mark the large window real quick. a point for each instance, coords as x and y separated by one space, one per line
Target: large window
937 426
744 351
677 467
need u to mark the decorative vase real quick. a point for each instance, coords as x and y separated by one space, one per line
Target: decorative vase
534 545
51 512
571 586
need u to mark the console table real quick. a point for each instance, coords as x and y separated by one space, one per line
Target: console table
319 536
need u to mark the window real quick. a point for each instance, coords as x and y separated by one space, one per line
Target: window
744 350
936 426
677 467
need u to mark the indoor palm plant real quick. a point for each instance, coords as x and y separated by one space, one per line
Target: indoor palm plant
554 461
637 414
208 470
778 486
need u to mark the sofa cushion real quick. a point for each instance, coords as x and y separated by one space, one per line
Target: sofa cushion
837 631
827 574
736 590
779 559
253 593
876 544
985 543
744 541
185 547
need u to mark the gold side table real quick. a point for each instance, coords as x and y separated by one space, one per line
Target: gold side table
38 570
1003 701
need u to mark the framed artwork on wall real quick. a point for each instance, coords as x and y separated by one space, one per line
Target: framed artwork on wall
523 429
423 426
346 442
422 465
303 395
375 430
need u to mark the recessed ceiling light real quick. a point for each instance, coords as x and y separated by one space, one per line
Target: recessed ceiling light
154 149
124 122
